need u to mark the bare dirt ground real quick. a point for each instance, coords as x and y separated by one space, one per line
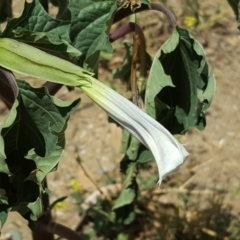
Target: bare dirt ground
213 164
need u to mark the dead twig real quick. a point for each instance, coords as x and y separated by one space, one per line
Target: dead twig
180 190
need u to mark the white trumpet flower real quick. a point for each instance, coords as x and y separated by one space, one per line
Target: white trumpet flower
167 151
22 58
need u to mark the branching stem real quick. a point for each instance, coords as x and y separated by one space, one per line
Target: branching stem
128 28
61 230
40 232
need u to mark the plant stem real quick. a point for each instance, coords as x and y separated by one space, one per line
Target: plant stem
123 13
41 232
141 52
124 30
134 88
60 230
46 230
79 161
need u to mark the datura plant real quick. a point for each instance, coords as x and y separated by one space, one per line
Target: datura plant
173 91
168 152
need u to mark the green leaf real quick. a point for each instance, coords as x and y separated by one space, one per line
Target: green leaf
126 197
125 141
91 22
35 106
46 164
37 28
7 122
147 2
32 143
123 207
124 72
86 27
4 210
180 86
235 6
122 236
129 145
61 199
4 207
132 151
29 203
145 156
125 215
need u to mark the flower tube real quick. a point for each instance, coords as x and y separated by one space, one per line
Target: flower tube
22 58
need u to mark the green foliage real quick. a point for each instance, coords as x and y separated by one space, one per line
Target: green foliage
90 28
180 85
183 218
30 148
67 39
37 28
124 206
235 6
179 89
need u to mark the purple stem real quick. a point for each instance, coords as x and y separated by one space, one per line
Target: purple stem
125 12
124 30
9 89
53 88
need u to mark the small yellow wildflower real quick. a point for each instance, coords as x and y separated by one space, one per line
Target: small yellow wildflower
189 21
60 205
76 186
